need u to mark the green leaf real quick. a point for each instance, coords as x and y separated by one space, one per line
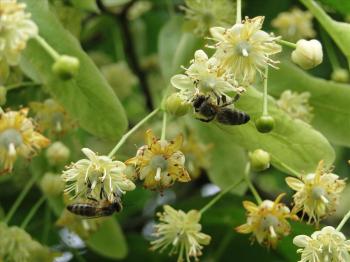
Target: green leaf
88 5
176 47
228 160
342 6
330 100
88 97
109 240
291 142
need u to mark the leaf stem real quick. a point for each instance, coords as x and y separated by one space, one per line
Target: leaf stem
286 43
49 49
163 135
239 12
265 106
343 221
22 84
220 195
32 212
288 168
131 131
20 198
250 184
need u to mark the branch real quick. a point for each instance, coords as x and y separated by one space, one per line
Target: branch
129 48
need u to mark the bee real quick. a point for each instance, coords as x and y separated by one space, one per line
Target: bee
222 113
94 208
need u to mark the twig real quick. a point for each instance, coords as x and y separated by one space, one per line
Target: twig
129 48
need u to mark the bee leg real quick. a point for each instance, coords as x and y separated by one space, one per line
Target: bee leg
103 194
91 198
237 96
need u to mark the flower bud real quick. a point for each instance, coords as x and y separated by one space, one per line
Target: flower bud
308 54
52 184
3 93
265 124
259 160
66 67
57 153
340 75
176 106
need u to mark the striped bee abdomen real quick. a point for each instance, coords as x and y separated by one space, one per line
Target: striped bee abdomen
83 209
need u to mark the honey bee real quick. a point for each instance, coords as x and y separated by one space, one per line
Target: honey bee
222 113
94 208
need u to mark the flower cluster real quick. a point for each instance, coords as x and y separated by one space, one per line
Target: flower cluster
267 221
160 163
18 138
317 194
325 245
16 28
296 105
51 116
98 177
182 232
294 25
17 245
201 15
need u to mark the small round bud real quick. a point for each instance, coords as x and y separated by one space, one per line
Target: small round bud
57 153
308 54
176 106
3 93
52 184
66 67
340 75
259 160
265 124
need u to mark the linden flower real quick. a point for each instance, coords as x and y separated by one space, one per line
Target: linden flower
268 221
18 137
328 245
182 232
160 163
97 177
15 30
244 49
317 193
204 14
196 155
294 25
51 116
16 245
204 77
296 105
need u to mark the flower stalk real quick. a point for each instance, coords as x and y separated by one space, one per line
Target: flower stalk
250 184
20 198
239 12
219 196
32 212
343 221
286 167
131 131
286 43
48 48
